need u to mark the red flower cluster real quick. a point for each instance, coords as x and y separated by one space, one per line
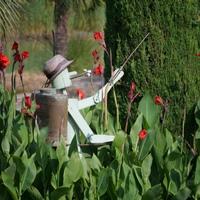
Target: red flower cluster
158 100
28 104
81 94
4 61
198 54
99 69
19 58
99 36
142 134
96 56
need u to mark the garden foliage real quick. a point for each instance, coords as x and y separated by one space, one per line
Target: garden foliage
166 63
155 166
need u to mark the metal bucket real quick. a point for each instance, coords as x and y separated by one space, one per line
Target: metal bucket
53 112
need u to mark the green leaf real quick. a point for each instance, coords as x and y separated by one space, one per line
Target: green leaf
183 194
118 140
61 153
146 144
135 129
146 171
73 170
150 111
95 164
5 145
155 193
103 181
34 193
26 169
174 181
131 187
88 117
9 183
62 192
138 174
197 172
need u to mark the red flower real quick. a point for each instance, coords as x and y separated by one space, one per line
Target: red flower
25 54
198 54
15 46
158 100
130 93
4 61
99 69
17 57
28 101
142 134
94 53
98 36
20 69
80 94
24 111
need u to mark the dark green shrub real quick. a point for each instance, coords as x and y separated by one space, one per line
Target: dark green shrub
166 63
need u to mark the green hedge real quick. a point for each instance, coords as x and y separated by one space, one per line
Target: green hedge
166 63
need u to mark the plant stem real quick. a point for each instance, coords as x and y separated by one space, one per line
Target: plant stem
128 115
117 108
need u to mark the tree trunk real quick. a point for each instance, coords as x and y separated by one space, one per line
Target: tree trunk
61 22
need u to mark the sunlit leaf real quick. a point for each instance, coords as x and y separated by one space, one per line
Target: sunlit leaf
150 111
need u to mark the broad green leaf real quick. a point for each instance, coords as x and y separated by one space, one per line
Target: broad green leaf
183 194
85 168
88 117
103 182
131 187
44 131
113 168
146 171
62 192
154 193
197 172
10 115
73 170
5 145
61 153
9 183
34 193
197 134
158 157
174 181
42 152
20 150
26 169
169 139
135 129
138 174
146 144
149 110
119 140
95 164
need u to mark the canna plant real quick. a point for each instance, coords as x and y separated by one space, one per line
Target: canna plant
145 162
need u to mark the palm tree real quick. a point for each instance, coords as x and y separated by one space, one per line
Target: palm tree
61 14
10 16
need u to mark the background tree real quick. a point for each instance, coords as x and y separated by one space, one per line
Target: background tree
61 14
10 16
165 64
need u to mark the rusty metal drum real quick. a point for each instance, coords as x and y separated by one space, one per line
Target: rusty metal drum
53 112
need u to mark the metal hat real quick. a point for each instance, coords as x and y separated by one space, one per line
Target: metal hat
55 66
